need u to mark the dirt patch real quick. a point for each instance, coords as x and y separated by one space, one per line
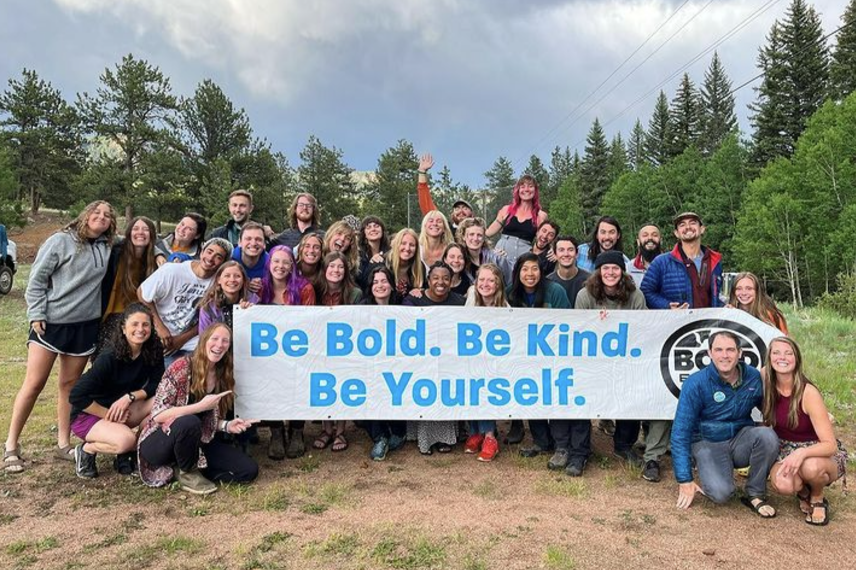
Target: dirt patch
34 234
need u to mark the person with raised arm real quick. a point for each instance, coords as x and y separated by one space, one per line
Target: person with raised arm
461 209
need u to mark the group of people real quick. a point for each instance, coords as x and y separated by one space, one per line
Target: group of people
155 318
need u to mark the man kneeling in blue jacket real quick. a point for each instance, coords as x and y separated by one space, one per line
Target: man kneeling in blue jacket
714 425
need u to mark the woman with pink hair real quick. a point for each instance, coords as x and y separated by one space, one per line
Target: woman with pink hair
518 221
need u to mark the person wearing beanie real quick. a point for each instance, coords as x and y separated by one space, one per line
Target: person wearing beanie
173 292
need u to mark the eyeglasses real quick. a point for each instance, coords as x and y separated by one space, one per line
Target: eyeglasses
305 205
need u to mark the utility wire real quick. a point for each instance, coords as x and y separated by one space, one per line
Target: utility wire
602 83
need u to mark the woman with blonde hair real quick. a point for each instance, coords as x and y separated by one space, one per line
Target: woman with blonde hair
64 312
434 235
341 237
810 458
749 294
405 262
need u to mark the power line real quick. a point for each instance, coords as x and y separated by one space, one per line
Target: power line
763 73
602 83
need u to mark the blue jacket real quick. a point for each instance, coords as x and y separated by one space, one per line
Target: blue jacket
667 281
710 409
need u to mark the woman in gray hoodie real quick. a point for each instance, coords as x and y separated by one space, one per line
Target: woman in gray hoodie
64 310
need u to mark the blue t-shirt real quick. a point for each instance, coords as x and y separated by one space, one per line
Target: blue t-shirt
256 271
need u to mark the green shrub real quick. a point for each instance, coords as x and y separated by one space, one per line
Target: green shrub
843 300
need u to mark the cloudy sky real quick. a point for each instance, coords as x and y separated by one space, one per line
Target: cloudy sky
468 80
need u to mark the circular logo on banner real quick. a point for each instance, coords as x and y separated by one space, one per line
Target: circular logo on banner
685 351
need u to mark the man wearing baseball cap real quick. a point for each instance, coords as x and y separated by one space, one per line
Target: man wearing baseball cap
461 209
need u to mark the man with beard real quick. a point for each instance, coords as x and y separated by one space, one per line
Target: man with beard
172 293
304 217
605 237
461 209
647 248
689 276
542 246
240 209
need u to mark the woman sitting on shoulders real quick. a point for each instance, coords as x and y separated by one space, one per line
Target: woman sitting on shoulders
114 396
810 458
192 397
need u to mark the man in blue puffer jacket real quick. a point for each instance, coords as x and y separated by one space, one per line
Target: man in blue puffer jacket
714 426
689 276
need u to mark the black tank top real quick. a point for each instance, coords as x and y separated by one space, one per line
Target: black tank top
521 230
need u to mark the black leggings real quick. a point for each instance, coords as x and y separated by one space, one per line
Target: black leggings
181 447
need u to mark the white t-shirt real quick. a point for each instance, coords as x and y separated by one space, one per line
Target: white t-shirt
175 290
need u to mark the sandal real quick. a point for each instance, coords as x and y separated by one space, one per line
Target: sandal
824 507
340 443
444 448
323 440
758 503
15 465
805 500
65 453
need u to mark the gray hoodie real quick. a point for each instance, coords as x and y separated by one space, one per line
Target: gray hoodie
65 280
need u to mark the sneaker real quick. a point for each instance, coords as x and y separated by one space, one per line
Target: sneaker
195 483
651 472
84 463
516 433
473 444
125 463
489 449
534 451
296 446
395 442
276 445
629 456
559 460
380 449
576 466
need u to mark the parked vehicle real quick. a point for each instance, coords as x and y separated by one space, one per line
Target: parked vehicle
8 261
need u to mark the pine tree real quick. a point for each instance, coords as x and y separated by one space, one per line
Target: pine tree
796 66
685 116
395 188
43 137
561 167
617 158
324 174
718 119
636 154
536 170
842 71
659 137
132 109
499 183
594 173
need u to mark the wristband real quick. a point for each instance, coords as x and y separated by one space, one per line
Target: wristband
425 172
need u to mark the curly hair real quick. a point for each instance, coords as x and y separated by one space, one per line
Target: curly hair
595 287
79 227
352 253
152 350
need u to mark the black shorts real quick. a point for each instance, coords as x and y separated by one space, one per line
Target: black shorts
72 339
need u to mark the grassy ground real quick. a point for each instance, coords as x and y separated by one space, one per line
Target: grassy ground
410 512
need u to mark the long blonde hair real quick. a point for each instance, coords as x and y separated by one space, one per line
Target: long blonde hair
771 393
79 226
200 366
446 238
415 270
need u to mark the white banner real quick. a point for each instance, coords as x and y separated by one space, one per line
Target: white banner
450 363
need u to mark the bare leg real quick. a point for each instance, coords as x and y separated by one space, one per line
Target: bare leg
70 369
39 364
110 437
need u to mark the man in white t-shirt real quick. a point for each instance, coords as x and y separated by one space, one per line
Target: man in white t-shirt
173 293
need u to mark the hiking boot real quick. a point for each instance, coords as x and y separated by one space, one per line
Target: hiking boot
607 427
474 443
195 483
559 460
380 449
125 463
84 463
516 433
276 445
296 446
489 449
651 472
576 466
534 451
629 456
395 442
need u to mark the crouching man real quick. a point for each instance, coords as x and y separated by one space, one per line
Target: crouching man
714 426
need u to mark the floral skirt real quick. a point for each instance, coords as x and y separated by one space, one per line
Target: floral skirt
840 457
